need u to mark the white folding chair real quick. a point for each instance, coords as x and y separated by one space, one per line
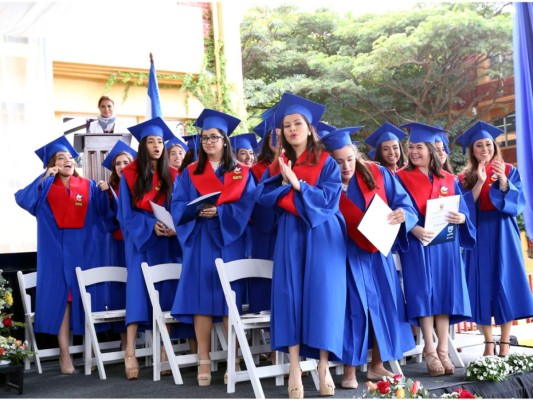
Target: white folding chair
172 271
87 278
27 282
238 325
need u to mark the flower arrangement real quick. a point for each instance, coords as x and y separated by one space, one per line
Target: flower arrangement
459 393
488 368
519 362
11 349
396 387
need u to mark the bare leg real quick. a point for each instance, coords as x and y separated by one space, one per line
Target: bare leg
376 369
63 339
202 327
442 323
296 389
434 364
327 387
349 381
505 338
130 361
490 345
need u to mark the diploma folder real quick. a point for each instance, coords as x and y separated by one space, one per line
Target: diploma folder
194 207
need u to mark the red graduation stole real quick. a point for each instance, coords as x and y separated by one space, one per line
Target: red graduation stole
131 175
69 209
259 169
208 182
117 233
422 189
353 214
304 171
484 199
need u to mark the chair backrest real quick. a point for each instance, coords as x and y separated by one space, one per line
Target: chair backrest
92 276
26 282
159 273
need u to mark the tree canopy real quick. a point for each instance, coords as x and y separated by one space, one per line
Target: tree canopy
423 64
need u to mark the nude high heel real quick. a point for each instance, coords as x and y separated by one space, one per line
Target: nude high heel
205 378
435 367
449 368
295 391
131 366
68 370
327 387
237 368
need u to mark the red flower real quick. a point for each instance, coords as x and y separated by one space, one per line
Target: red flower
383 387
397 377
414 387
464 394
1 351
8 322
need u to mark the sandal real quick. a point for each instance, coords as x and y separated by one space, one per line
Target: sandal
435 367
508 348
449 368
131 366
327 387
237 369
373 375
296 391
205 378
487 352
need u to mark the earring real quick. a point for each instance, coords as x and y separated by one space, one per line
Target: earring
309 134
225 145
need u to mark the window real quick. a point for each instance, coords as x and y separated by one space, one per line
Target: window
508 125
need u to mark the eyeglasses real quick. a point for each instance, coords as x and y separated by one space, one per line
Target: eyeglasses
212 139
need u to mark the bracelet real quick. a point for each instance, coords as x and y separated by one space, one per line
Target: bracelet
283 183
505 189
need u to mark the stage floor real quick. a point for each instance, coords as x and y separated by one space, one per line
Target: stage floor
51 384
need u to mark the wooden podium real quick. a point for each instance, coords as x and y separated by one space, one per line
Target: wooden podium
94 148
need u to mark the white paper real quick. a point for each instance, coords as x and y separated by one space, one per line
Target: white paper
376 228
436 212
162 215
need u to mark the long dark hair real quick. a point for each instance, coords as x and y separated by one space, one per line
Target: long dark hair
314 147
143 184
379 156
114 179
470 171
188 158
228 160
435 166
266 154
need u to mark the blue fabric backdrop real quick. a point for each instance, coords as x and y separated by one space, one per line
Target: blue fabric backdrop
523 71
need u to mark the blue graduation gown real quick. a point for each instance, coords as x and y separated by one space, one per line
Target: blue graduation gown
59 252
375 298
142 244
203 240
495 270
309 277
434 275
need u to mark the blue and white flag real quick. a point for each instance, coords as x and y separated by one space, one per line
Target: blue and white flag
153 105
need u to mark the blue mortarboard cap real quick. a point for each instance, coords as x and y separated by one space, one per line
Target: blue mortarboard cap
480 130
246 141
441 137
193 140
323 129
339 138
384 133
419 132
268 124
152 127
119 147
48 150
292 104
209 119
372 153
355 143
176 141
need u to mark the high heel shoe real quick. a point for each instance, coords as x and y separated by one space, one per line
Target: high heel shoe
508 348
373 375
237 368
327 387
449 368
131 366
487 352
205 378
67 370
295 391
435 367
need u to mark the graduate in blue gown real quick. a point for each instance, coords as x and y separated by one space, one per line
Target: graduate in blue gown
375 312
216 232
434 275
176 150
66 207
389 150
309 277
496 276
148 178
